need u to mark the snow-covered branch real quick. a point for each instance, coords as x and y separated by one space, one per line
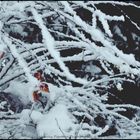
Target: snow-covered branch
89 58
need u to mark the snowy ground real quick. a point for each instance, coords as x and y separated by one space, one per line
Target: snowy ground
56 123
35 36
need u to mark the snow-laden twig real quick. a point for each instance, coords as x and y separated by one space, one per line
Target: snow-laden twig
50 44
60 128
80 127
114 2
98 36
101 131
20 60
135 24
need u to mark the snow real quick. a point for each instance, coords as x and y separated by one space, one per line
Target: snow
1 25
97 35
21 61
28 129
48 124
18 29
2 47
24 91
24 116
50 44
115 2
119 33
48 127
6 66
119 86
58 120
19 89
57 113
136 37
36 116
93 69
2 104
103 19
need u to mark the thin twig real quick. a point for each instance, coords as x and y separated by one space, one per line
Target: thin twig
60 128
80 127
